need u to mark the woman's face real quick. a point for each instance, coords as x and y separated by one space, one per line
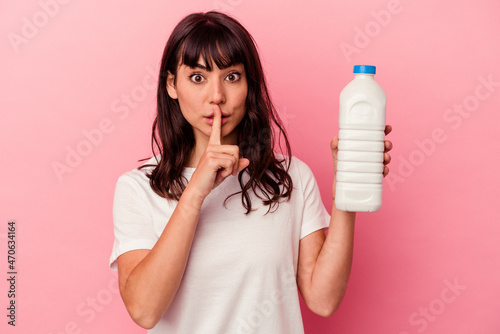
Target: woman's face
199 90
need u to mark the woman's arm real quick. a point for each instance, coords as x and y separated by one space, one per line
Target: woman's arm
149 279
325 261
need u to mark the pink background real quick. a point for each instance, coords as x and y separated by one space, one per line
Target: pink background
68 69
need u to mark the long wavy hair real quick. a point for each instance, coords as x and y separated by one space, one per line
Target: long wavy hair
222 40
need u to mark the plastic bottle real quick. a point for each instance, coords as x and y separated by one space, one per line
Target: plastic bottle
361 143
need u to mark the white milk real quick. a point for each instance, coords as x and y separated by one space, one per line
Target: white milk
361 143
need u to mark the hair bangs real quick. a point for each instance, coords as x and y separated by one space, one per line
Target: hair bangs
213 44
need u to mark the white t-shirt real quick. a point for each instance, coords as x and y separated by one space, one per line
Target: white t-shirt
241 273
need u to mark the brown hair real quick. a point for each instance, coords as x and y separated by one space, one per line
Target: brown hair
221 39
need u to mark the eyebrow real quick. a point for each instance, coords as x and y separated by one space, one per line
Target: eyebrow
203 67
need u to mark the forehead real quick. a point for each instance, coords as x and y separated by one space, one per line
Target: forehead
202 64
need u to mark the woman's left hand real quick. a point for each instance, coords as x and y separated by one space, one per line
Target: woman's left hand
387 147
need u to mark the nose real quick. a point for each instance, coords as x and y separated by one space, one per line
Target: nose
217 95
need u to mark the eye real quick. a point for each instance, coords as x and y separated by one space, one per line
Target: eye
197 78
233 76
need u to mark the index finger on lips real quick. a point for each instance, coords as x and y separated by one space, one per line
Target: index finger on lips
215 135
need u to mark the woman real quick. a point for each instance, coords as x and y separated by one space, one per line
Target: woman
215 233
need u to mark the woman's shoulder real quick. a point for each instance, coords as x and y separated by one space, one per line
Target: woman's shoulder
295 162
139 175
298 168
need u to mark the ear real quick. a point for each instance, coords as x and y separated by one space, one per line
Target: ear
172 92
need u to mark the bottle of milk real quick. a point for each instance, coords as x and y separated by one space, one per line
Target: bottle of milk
361 143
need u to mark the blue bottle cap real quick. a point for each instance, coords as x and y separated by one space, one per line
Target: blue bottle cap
368 69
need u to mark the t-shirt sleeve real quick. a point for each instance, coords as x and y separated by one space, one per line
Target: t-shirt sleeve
314 214
132 221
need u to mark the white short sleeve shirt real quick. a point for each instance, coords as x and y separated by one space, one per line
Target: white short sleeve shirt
241 272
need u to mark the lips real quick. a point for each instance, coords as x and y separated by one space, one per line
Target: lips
212 115
210 119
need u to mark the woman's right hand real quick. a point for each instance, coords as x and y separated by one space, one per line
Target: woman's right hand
150 279
217 162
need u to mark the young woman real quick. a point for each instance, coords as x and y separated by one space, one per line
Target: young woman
215 233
